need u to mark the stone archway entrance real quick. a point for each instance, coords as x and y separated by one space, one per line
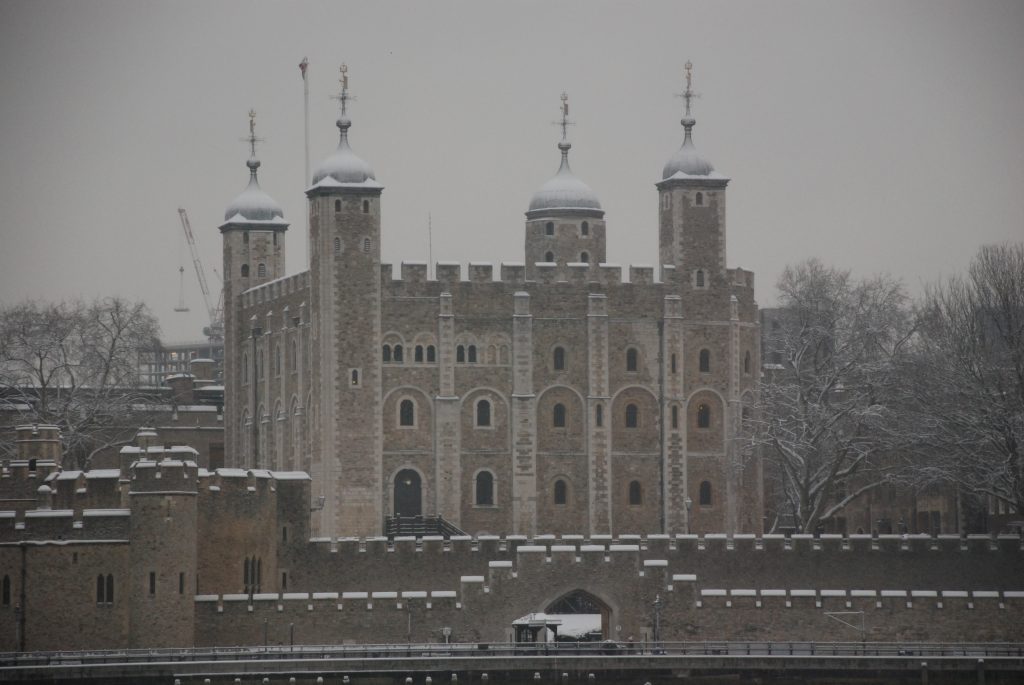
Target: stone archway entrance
408 494
583 615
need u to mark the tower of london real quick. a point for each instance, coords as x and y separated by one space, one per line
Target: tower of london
555 394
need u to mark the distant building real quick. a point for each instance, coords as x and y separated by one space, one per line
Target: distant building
173 358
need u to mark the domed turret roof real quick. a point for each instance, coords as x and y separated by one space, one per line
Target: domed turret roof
687 160
344 166
565 190
253 204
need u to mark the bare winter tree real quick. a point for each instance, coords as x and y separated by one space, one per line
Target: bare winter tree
75 365
966 388
823 420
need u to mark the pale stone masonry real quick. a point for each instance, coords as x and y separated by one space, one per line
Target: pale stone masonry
553 396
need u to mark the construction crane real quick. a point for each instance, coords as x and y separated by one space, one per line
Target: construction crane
215 331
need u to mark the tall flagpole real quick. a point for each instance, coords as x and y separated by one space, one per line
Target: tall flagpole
303 66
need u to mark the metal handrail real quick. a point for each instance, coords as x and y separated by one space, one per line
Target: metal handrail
608 648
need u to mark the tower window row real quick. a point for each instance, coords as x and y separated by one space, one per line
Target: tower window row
395 354
549 228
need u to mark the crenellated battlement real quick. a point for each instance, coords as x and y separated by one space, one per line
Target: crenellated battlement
274 290
514 274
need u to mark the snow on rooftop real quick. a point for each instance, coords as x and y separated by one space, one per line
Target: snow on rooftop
290 475
49 513
103 473
106 512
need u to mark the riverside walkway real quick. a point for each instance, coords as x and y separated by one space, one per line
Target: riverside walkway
608 662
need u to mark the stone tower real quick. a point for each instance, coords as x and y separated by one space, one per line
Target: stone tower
345 293
164 516
565 222
692 210
254 253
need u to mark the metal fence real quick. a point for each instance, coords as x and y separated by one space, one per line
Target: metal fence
362 652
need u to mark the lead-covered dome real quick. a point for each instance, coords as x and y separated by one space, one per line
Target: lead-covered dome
253 204
687 160
344 166
564 192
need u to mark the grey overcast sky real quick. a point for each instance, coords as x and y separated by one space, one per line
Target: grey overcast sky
878 136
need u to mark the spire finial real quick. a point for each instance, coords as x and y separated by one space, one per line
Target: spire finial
688 95
253 163
343 98
564 145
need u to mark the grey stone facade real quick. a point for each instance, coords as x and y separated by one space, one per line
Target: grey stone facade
552 396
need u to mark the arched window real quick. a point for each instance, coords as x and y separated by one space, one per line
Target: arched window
599 415
101 589
558 416
636 494
484 489
366 206
703 416
337 247
584 229
386 353
746 362
471 354
397 355
261 271
559 359
407 413
632 416
418 354
337 205
245 271
549 256
431 354
110 588
673 362
366 245
5 592
675 416
561 492
460 353
699 278
483 413
705 361
549 228
705 493
584 257
631 359
354 378
699 199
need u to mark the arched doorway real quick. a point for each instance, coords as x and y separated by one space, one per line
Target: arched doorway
584 617
408 493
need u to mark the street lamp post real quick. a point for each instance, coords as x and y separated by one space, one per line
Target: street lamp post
657 621
689 505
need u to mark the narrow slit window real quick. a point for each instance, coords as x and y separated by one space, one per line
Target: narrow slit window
631 359
337 205
559 359
549 228
431 354
584 228
397 355
483 413
699 278
705 493
599 415
386 353
471 354
484 489
407 413
699 199
636 494
366 206
675 416
558 416
418 354
632 416
703 416
561 492
704 361
460 354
